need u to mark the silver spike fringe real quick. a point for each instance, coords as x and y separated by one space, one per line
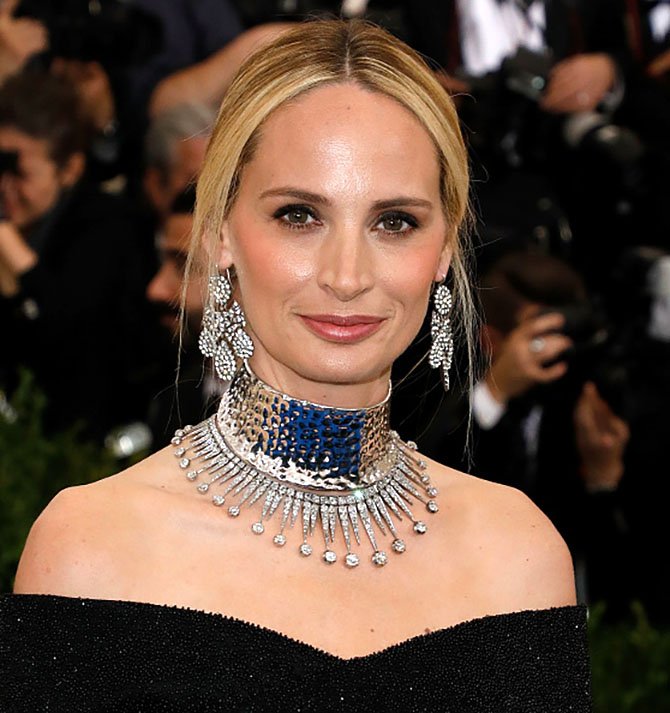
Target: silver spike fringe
204 455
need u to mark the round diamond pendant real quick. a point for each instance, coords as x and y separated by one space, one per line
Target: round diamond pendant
432 491
279 540
258 528
203 487
420 527
179 452
329 556
218 500
233 511
379 558
352 559
192 474
305 549
432 506
398 545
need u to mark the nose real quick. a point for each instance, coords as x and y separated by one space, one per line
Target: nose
163 287
346 264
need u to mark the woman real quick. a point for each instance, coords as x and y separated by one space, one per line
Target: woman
332 194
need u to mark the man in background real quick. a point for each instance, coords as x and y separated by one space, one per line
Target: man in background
191 397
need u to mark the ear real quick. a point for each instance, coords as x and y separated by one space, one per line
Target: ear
73 169
155 189
220 250
444 261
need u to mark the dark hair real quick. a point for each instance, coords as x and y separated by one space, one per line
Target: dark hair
525 276
45 107
184 201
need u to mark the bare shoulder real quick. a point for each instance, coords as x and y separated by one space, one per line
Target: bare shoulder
74 544
517 553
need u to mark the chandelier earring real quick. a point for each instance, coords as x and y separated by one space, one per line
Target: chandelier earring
442 346
223 337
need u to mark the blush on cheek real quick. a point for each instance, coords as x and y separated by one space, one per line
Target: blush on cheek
413 274
269 262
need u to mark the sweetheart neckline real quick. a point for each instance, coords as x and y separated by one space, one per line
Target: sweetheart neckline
303 644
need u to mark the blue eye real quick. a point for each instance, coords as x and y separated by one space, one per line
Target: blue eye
397 222
296 216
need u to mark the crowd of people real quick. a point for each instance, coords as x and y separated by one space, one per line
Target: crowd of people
104 124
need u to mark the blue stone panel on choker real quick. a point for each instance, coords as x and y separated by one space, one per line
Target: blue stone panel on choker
315 437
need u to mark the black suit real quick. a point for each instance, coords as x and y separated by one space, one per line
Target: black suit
79 321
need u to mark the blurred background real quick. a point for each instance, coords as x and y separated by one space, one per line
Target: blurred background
106 107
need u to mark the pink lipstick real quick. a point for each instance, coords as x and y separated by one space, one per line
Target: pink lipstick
345 329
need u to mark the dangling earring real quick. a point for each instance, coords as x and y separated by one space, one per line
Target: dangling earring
223 337
442 347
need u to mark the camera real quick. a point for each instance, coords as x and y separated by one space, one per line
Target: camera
114 33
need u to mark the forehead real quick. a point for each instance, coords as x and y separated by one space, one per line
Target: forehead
342 138
12 139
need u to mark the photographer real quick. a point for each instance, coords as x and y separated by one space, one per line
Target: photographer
544 421
544 80
527 350
68 256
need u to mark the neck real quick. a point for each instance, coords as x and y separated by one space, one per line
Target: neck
338 394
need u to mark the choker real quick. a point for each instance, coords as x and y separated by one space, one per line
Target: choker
341 468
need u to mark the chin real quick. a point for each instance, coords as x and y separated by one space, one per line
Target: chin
351 364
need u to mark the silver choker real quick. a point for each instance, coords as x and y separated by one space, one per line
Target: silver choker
310 462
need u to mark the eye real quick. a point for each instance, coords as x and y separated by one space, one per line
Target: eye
397 222
296 216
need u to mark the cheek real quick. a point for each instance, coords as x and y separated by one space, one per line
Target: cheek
194 297
267 265
410 276
40 191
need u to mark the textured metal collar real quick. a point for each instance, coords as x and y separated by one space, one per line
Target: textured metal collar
302 443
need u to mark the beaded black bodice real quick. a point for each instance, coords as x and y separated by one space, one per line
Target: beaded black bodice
66 654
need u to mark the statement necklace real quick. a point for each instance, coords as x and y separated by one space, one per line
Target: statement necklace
339 467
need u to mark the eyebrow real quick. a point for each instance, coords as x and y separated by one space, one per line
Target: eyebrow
309 197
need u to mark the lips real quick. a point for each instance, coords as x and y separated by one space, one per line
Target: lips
344 329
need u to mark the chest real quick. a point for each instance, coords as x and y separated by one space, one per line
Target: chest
222 566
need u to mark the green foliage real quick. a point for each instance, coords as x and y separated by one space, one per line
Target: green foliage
630 663
34 467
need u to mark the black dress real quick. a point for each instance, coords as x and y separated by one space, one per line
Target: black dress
67 654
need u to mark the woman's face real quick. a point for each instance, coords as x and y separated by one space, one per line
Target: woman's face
336 237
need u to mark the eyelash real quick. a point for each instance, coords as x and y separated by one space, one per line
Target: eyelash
281 214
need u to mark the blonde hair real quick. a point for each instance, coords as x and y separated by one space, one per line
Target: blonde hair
322 52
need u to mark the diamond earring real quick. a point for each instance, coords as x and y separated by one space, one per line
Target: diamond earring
223 337
442 347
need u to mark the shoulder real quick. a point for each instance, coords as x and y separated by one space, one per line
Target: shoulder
515 551
81 538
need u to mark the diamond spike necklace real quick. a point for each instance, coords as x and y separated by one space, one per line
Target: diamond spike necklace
324 468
